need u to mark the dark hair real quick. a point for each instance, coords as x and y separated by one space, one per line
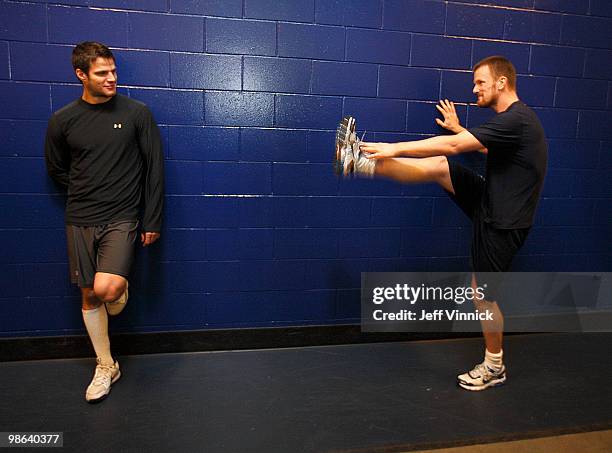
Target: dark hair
86 53
499 66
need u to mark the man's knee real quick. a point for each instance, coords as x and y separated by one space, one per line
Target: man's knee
109 289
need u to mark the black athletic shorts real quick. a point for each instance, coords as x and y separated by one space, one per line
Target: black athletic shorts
493 249
100 248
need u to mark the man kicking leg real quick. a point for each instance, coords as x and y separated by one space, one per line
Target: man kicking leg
501 205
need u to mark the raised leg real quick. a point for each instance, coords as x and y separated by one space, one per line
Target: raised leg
413 171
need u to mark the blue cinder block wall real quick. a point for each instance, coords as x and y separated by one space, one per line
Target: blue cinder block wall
258 230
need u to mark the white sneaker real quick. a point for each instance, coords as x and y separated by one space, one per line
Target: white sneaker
349 160
345 138
100 386
482 377
117 306
364 167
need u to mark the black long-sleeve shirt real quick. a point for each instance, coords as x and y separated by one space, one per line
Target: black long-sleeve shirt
108 156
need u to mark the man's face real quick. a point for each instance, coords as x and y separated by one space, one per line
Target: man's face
485 87
101 81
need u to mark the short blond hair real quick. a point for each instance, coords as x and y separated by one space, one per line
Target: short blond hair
499 66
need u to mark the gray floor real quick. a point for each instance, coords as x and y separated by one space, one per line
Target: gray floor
368 397
591 442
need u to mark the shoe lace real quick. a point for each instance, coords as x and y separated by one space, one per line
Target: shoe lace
103 374
482 370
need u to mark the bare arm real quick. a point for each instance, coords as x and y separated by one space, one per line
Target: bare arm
442 145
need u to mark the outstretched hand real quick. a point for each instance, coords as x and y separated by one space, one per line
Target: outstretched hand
377 150
148 238
451 120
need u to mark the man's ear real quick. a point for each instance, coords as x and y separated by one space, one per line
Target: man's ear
501 82
80 74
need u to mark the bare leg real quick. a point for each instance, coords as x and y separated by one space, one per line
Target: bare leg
409 170
492 330
436 169
491 372
109 287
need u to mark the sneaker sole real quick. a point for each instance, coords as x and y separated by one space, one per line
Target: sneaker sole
477 388
345 130
103 397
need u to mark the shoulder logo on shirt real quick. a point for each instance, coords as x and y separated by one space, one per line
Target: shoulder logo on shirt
117 126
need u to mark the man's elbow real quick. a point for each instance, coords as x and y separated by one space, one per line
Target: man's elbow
455 148
458 147
464 142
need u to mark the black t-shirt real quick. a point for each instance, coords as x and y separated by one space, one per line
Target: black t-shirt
108 156
516 166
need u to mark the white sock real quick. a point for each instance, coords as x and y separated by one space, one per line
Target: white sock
96 322
494 361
